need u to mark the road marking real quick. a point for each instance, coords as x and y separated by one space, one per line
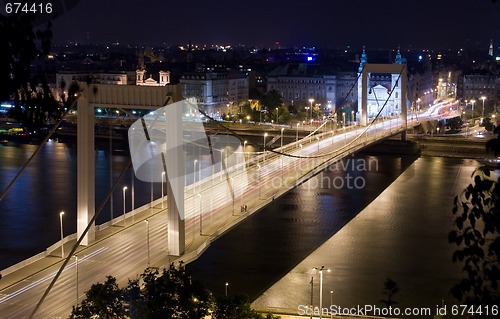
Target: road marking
50 276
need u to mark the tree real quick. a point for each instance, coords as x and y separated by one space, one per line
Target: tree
390 289
476 235
173 293
237 306
103 300
21 43
272 100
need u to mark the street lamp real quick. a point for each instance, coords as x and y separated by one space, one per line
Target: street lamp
76 266
258 169
317 138
233 193
321 289
227 284
300 163
162 193
281 149
472 102
147 238
277 115
482 113
311 101
331 302
297 135
62 234
244 152
201 233
265 135
194 175
124 189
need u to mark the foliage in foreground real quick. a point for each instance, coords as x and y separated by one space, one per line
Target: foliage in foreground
172 293
476 235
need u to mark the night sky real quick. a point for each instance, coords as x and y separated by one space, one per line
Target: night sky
321 23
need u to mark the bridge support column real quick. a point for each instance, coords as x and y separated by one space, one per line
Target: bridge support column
404 109
174 158
364 97
85 169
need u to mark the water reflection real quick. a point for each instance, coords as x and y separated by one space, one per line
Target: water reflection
270 243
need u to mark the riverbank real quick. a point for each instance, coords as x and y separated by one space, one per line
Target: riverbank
437 146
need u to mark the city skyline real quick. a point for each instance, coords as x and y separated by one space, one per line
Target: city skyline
356 23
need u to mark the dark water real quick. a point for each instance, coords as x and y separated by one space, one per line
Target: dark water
258 252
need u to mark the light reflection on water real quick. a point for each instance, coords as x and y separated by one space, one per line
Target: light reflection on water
401 235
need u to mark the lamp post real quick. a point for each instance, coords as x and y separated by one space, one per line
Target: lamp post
62 233
227 284
321 289
472 116
331 303
133 190
277 115
162 193
258 169
147 238
300 163
221 159
151 205
482 113
281 148
297 135
232 186
194 175
317 138
124 190
312 294
343 118
76 266
352 117
265 135
311 101
201 233
244 152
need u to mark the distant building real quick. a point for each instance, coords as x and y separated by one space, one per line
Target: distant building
476 85
216 92
64 80
163 78
300 82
